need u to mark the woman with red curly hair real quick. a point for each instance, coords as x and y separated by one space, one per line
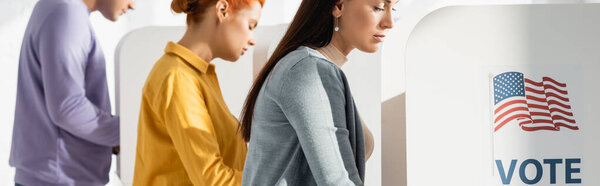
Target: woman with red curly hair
186 133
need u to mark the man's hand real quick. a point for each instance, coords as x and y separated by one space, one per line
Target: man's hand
116 150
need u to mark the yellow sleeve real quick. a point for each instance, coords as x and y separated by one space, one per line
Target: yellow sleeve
190 127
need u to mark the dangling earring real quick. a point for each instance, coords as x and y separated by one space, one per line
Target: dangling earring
337 27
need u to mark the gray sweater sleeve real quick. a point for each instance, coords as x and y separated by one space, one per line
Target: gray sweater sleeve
312 99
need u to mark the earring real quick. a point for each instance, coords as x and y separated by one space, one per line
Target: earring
337 27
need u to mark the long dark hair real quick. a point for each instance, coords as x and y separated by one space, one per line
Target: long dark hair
312 27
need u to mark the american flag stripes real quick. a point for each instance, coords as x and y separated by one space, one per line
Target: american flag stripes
535 105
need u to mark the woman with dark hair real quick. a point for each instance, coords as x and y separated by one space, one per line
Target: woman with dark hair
186 133
299 117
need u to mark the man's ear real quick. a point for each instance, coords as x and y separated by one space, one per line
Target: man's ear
222 9
337 9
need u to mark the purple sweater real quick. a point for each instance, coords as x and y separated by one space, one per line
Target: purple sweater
63 132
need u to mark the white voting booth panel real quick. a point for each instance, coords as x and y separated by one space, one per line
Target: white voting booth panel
461 60
139 50
135 56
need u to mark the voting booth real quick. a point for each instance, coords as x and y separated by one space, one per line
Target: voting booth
495 95
140 49
504 95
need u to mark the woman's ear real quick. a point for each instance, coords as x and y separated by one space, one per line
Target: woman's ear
337 9
222 9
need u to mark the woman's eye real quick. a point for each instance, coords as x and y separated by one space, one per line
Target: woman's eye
379 9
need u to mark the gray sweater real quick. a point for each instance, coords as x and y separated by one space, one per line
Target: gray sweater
305 130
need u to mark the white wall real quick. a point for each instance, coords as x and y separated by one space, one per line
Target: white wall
13 18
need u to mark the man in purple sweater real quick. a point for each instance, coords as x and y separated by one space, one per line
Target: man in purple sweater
64 132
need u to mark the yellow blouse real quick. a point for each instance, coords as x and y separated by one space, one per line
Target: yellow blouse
186 133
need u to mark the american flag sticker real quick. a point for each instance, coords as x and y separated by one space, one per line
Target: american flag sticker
534 105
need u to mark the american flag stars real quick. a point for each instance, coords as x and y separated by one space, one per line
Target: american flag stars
508 85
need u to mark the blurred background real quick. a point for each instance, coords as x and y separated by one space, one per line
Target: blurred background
14 15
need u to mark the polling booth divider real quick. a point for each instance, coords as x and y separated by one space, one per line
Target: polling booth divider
504 95
140 49
134 58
